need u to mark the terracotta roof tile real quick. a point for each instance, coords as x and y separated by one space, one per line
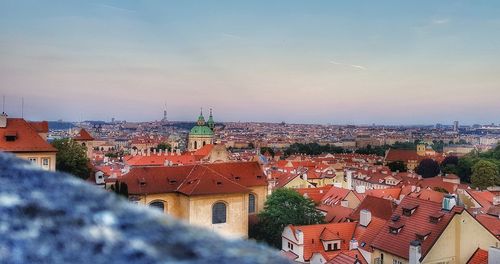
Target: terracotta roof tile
27 138
378 207
419 221
83 135
479 257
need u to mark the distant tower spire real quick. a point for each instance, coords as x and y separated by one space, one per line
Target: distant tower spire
210 122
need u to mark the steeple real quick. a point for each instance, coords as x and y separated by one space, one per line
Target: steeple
211 123
201 119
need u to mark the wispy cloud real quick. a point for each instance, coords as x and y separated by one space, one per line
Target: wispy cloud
360 67
440 21
116 8
230 35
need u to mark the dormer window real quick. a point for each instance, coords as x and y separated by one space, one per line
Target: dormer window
395 228
408 210
421 236
10 136
436 218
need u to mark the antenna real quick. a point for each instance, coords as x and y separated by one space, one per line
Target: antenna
3 105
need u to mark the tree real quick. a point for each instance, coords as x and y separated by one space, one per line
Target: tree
282 208
428 168
397 165
164 146
484 174
450 164
72 158
267 149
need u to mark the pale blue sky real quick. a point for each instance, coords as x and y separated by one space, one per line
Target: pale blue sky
391 62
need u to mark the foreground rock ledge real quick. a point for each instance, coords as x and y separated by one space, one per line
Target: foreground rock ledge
50 217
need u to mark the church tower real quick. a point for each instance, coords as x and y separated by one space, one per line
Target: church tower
201 134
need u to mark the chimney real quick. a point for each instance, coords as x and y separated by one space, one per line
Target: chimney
365 217
415 252
493 255
3 120
353 244
496 200
449 201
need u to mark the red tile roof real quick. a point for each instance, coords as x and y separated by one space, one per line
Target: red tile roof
159 160
491 223
484 198
314 194
335 195
385 193
195 179
402 155
40 126
366 235
312 234
479 257
348 257
204 151
378 207
419 221
27 138
335 213
83 135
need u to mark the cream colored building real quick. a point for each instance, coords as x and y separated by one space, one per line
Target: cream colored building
219 196
27 140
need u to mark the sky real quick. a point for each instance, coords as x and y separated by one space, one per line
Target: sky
338 62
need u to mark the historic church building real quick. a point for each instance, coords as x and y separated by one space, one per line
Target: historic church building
201 134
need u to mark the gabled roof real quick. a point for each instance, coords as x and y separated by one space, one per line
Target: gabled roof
378 207
27 138
402 155
315 194
335 213
348 257
312 236
366 235
198 179
491 223
484 198
385 193
83 135
335 195
40 126
479 257
419 221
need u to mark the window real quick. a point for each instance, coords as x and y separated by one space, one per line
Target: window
395 261
34 160
158 205
195 145
251 203
45 163
290 246
219 213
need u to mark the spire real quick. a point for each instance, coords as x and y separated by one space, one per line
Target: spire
211 123
201 119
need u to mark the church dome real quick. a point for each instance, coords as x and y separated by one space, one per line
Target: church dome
201 131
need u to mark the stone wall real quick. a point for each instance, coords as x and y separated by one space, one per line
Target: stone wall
48 217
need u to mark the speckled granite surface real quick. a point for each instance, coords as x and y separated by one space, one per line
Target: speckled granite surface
54 218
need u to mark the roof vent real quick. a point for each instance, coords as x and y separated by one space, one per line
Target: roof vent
219 183
421 236
435 218
10 136
409 209
395 218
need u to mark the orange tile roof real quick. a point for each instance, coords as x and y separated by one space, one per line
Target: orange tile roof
419 221
335 213
348 257
484 198
378 207
431 195
198 179
366 235
312 234
204 151
83 135
314 194
159 160
385 193
27 138
438 182
40 126
335 195
491 223
479 257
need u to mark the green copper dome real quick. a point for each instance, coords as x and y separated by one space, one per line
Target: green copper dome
201 131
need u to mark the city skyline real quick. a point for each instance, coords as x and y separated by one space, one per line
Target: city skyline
323 62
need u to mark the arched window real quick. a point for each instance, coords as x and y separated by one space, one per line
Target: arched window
204 143
219 213
195 144
158 205
251 203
